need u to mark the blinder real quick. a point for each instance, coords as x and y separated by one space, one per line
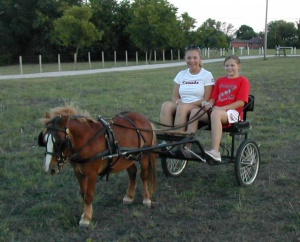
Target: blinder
40 140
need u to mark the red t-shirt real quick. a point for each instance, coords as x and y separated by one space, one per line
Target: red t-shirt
227 91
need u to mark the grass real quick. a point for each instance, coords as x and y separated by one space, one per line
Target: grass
204 204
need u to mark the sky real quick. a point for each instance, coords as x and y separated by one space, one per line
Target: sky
240 12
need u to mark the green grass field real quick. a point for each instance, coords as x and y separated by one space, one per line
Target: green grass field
204 204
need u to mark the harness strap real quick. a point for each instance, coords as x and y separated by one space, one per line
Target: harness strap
140 135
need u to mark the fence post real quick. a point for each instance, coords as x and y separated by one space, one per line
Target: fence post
221 52
126 56
40 63
163 55
115 58
205 51
136 57
75 61
171 54
208 52
233 50
178 51
21 65
58 58
89 57
154 55
146 56
103 59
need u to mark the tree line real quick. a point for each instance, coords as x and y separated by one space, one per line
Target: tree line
48 27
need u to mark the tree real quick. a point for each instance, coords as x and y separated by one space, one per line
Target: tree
16 25
154 25
74 28
210 34
122 19
187 24
281 33
245 32
46 13
298 33
228 29
104 18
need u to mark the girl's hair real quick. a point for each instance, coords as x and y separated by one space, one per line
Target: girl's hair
233 57
194 47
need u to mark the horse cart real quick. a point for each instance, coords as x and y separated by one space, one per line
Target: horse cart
98 147
241 151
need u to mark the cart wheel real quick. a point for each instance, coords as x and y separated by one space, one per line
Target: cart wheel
247 163
173 167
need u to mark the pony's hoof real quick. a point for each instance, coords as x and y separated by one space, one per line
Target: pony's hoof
127 200
84 223
147 202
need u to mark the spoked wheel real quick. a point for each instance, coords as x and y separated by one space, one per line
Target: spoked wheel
173 167
247 163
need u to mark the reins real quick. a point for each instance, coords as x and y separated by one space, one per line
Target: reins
170 128
194 118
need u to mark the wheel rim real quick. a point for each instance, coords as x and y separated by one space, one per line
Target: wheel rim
249 163
176 166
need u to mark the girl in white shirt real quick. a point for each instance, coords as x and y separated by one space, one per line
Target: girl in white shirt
193 86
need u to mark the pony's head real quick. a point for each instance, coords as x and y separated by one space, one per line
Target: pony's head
54 137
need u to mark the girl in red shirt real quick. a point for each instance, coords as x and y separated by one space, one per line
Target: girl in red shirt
228 98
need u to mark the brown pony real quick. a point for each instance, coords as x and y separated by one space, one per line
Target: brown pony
98 147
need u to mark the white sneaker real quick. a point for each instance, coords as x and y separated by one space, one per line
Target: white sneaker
214 155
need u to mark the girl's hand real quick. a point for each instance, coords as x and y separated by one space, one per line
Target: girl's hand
206 105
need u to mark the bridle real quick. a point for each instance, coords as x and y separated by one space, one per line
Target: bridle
52 132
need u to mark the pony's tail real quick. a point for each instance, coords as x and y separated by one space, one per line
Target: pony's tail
152 168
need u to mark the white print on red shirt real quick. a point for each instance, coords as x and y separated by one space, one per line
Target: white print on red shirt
225 95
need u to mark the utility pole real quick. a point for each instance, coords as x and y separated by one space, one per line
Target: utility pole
266 31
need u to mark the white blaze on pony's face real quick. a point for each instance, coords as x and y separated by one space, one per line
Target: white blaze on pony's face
49 149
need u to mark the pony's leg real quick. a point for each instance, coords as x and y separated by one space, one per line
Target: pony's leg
145 177
87 186
129 197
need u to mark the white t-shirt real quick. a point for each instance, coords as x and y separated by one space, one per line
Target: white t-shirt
192 86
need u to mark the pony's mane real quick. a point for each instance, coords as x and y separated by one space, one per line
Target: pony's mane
66 110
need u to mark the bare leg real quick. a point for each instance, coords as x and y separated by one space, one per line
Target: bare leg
197 116
218 118
182 113
167 113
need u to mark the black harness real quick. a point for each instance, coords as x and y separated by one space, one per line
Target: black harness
113 147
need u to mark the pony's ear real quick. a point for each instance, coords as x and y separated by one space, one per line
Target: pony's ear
47 115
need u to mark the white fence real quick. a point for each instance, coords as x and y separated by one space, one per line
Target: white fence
173 55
